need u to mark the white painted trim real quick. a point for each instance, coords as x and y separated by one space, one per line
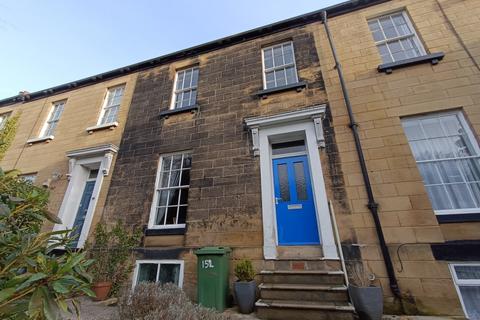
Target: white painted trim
458 282
104 104
159 262
268 130
110 125
297 115
80 163
264 71
42 139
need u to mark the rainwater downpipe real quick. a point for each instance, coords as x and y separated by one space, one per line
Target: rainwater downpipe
372 204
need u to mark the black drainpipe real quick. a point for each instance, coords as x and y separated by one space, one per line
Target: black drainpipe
372 204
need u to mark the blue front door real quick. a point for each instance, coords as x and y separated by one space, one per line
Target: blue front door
82 210
296 217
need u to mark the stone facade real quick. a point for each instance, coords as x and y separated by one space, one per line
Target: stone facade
47 159
379 102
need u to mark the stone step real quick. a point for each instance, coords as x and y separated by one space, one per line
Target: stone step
324 277
303 264
307 292
303 310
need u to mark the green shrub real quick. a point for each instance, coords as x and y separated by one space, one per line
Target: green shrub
34 283
112 249
151 301
244 270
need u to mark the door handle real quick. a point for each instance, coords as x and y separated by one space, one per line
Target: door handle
276 199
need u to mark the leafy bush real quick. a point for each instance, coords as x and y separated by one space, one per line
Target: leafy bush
151 301
244 270
34 283
112 250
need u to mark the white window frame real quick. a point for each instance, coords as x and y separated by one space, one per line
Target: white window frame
153 209
413 35
176 92
294 64
159 263
461 282
49 120
471 140
105 107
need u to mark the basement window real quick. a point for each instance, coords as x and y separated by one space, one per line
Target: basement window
279 68
185 90
161 271
448 157
169 207
395 37
467 282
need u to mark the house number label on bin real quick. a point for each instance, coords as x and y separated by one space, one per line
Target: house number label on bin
207 264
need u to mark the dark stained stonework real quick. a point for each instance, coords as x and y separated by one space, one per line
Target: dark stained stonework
224 205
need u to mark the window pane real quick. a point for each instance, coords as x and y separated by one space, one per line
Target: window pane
388 27
164 179
468 272
470 169
413 130
471 300
177 161
421 150
288 147
50 130
162 198
187 161
173 197
270 79
450 171
147 272
268 58
174 179
432 128
430 173
160 216
283 181
169 273
439 198
182 214
280 76
180 76
171 215
166 162
288 53
300 181
291 76
195 77
193 97
277 56
451 125
185 178
183 196
187 82
373 25
460 196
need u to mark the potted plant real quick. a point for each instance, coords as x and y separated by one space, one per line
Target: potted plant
112 250
366 298
245 288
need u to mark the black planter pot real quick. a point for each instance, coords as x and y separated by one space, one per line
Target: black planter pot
245 294
368 301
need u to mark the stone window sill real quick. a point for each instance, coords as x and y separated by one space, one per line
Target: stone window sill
164 232
294 86
458 218
46 139
433 58
110 125
170 112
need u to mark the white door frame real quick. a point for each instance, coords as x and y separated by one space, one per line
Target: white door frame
80 163
304 123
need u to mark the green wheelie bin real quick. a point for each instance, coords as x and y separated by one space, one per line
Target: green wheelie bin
212 273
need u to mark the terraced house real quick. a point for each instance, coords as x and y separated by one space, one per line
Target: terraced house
67 140
360 120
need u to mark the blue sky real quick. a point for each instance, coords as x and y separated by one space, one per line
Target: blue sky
47 43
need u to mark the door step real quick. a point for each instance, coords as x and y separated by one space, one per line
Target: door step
303 310
307 292
316 277
299 252
303 264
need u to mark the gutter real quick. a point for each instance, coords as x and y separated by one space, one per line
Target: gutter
372 204
298 21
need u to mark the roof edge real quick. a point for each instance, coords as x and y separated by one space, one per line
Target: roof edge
332 11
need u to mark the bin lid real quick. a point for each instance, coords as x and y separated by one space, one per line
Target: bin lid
213 250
